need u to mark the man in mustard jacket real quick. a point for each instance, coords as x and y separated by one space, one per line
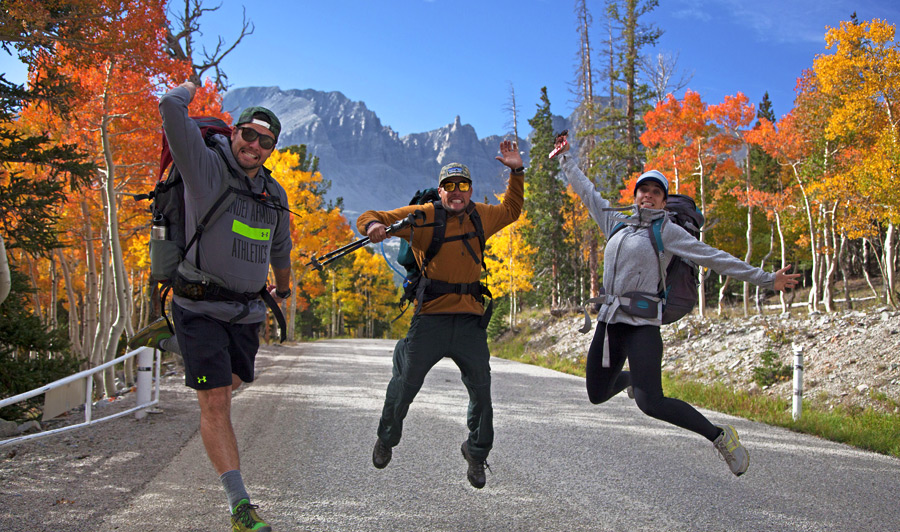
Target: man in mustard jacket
450 304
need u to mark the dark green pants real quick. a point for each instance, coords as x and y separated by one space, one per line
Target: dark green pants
431 338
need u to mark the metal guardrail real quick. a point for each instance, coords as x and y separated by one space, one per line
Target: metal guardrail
147 393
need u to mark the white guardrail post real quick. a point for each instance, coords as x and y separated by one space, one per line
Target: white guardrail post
144 380
797 410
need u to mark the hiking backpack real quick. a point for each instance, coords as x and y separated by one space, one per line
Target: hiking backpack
419 288
678 281
168 241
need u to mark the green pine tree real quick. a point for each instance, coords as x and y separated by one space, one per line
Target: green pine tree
546 200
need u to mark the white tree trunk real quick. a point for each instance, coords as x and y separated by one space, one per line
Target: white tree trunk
784 305
92 288
813 301
749 254
866 271
119 306
5 276
103 315
830 260
74 309
762 264
889 268
701 290
722 294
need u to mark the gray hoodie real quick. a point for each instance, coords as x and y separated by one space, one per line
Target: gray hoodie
239 246
630 262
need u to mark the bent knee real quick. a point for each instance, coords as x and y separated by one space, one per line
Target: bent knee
596 398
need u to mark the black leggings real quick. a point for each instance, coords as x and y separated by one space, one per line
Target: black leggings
642 346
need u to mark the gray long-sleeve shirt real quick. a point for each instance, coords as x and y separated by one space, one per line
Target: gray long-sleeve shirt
239 246
631 263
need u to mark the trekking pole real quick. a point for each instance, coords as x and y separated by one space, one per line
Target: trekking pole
320 262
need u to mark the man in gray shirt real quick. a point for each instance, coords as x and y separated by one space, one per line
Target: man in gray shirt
218 330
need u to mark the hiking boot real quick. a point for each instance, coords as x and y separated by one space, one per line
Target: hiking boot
475 474
244 518
729 446
381 455
152 336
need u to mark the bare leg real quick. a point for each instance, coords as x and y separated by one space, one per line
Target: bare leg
216 429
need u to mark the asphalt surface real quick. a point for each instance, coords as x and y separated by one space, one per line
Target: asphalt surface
306 429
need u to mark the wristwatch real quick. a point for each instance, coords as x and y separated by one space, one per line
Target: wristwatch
519 170
283 295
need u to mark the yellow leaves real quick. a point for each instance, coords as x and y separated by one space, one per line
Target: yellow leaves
313 229
863 76
509 260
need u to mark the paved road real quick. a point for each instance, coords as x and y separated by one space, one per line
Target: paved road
307 426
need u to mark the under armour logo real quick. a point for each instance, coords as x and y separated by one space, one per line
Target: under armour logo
201 380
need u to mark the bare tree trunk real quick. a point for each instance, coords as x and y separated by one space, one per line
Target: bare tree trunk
747 257
121 291
784 306
889 270
701 303
587 119
865 269
749 237
91 305
74 330
103 317
830 260
813 302
762 264
843 261
5 276
722 294
54 288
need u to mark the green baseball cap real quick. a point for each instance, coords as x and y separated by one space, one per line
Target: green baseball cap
267 119
454 170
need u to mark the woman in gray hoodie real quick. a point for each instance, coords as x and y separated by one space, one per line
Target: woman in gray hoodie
631 265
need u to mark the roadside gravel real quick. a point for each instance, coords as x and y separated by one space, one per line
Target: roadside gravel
850 358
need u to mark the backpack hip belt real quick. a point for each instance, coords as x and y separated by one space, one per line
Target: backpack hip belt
430 289
640 304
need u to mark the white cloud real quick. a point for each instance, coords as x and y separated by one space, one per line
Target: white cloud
693 10
803 21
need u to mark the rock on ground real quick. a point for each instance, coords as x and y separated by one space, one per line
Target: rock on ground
850 358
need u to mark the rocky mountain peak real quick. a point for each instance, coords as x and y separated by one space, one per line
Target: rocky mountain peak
355 149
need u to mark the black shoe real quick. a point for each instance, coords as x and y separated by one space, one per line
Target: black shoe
381 455
475 474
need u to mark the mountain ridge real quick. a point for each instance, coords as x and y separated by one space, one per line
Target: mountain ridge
356 150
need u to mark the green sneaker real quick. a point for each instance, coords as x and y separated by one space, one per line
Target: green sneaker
244 518
729 446
153 335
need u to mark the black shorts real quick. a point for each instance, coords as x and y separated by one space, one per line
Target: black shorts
213 349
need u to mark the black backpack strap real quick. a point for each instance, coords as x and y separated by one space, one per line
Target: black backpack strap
437 238
211 215
479 232
276 311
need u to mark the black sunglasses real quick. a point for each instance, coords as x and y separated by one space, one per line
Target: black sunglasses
265 142
450 186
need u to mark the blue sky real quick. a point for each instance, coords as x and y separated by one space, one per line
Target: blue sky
419 63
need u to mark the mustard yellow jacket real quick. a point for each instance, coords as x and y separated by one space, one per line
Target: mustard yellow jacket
453 262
